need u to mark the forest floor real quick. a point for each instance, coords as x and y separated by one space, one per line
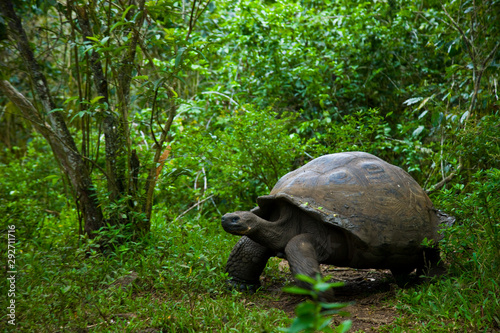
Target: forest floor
370 290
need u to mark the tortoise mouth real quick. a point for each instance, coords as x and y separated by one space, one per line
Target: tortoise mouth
233 225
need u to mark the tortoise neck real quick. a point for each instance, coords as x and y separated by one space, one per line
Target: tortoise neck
275 230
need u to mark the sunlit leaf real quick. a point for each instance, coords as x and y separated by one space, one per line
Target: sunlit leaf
418 131
96 99
297 290
412 101
464 117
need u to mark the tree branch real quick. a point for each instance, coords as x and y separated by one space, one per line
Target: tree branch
112 127
443 182
28 110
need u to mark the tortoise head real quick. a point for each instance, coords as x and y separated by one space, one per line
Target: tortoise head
239 223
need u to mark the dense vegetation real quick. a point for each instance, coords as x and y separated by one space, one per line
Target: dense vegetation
172 113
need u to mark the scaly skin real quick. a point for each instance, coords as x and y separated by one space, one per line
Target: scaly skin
245 264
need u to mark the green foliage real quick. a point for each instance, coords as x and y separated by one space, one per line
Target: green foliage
369 131
32 194
313 315
472 245
317 57
170 281
234 156
259 88
480 143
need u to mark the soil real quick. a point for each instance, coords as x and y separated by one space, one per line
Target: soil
370 289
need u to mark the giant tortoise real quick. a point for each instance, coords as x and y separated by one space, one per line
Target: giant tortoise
347 209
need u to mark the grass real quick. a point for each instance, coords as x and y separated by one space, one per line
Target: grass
179 285
459 303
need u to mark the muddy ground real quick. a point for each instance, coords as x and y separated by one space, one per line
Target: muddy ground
369 289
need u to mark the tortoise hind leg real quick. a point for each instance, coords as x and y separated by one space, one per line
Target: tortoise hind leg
402 275
245 264
431 263
428 265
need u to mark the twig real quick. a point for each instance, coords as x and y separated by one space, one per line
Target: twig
442 183
194 206
216 208
224 95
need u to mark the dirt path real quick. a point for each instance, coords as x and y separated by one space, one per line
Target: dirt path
369 289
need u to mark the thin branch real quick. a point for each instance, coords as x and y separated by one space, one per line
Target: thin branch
191 18
152 116
468 43
194 16
224 95
193 207
445 181
492 53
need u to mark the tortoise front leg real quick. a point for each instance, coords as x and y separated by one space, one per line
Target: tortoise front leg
246 263
302 256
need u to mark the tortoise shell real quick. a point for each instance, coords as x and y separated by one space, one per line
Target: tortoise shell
379 204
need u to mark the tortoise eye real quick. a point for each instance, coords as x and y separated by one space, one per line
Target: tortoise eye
235 219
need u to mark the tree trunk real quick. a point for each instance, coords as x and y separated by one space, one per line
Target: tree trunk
116 152
56 131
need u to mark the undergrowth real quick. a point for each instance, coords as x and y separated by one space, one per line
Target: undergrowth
172 281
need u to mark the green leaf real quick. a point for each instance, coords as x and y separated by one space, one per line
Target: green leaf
306 308
201 53
305 278
179 56
464 117
158 83
126 11
55 110
422 104
297 290
323 326
54 178
104 40
344 326
301 324
70 99
117 24
412 101
322 286
334 306
423 114
337 284
418 131
96 99
180 79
